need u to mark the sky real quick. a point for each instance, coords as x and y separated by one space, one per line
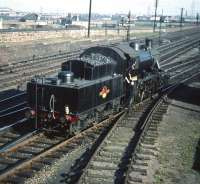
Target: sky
169 7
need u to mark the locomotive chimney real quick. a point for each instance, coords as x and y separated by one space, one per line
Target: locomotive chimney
69 77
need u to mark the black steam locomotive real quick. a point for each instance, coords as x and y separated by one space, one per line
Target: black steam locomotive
101 82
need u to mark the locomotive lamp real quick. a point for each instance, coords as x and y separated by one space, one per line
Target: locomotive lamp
66 110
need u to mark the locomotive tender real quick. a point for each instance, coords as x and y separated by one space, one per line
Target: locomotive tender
101 82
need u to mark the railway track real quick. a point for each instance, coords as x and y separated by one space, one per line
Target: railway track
108 163
130 139
16 115
11 101
21 160
17 163
167 57
13 108
177 42
13 133
185 72
23 156
41 61
145 151
175 36
185 62
20 72
23 71
18 105
12 96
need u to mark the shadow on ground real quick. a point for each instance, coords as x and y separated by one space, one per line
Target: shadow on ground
187 94
196 164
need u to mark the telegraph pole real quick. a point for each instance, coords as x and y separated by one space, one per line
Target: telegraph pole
129 26
154 24
89 18
197 18
160 27
181 20
106 28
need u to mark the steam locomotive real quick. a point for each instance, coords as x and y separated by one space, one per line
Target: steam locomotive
99 83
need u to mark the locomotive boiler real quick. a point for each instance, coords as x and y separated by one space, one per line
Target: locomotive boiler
138 64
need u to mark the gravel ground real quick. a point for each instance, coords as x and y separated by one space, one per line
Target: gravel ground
56 173
61 170
179 133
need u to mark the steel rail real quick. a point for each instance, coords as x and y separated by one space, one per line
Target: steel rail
12 97
26 163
